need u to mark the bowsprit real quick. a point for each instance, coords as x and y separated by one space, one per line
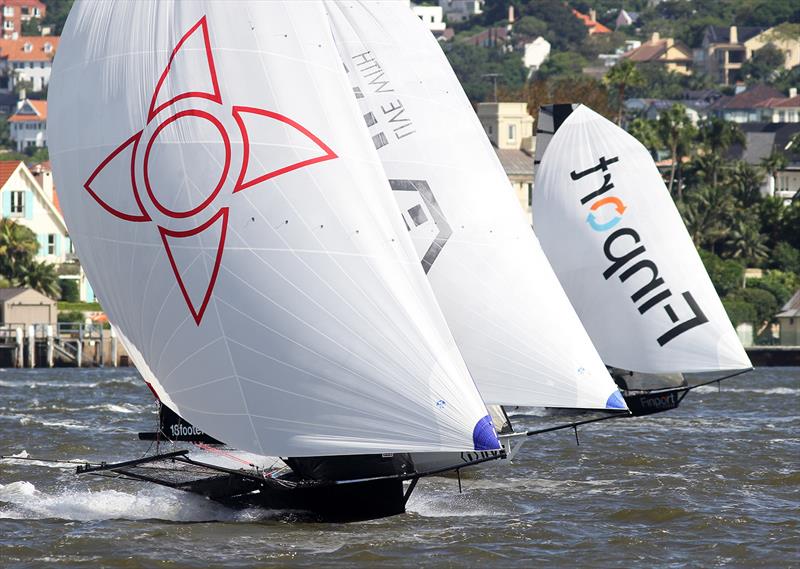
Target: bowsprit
624 248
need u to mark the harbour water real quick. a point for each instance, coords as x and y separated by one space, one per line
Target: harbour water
712 484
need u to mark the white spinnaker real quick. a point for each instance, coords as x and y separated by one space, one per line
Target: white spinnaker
320 334
516 329
637 322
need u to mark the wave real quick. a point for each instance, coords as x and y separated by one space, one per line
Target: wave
22 500
761 390
66 424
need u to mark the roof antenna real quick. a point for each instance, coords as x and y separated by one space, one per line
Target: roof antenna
493 77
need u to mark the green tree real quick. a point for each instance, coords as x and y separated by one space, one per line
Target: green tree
774 163
764 64
646 132
745 183
746 242
472 63
40 276
529 27
726 275
564 63
676 132
623 75
739 311
56 15
781 284
69 290
18 246
763 301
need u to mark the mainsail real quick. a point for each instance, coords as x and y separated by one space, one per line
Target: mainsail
622 253
516 329
231 212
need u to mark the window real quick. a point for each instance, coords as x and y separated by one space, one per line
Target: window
51 244
8 12
28 47
512 132
48 47
530 194
8 25
17 204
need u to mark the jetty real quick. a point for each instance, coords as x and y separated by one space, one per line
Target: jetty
63 344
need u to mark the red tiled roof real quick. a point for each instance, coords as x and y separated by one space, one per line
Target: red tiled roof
41 112
789 102
31 3
594 26
755 96
14 50
7 167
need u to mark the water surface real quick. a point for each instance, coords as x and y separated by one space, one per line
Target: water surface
712 484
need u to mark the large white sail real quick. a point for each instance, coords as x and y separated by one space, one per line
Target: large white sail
512 321
621 251
230 210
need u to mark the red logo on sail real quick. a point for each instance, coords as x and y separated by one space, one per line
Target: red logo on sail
191 75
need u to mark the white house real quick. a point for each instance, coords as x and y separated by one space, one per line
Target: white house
432 16
28 125
24 201
26 58
536 53
460 10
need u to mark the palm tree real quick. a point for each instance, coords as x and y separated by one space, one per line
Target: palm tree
745 182
746 242
623 75
18 246
40 276
677 133
773 164
645 132
717 136
707 214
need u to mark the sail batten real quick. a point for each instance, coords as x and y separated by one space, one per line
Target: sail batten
514 326
245 240
622 253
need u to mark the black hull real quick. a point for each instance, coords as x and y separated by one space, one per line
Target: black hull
641 403
335 503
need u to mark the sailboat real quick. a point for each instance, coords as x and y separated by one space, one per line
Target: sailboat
230 209
612 233
515 327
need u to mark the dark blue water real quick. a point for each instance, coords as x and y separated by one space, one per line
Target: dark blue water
714 484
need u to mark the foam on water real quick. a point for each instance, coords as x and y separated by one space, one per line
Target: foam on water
21 500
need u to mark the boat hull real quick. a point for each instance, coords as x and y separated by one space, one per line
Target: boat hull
641 403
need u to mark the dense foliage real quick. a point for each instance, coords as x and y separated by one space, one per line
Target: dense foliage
18 267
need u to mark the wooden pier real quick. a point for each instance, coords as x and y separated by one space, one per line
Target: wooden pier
75 344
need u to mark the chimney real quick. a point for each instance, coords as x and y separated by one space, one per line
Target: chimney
792 92
734 34
593 15
670 42
655 38
511 14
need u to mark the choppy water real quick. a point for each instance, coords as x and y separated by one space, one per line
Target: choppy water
714 484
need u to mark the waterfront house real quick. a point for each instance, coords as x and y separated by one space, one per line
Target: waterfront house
789 321
26 307
24 201
28 124
510 130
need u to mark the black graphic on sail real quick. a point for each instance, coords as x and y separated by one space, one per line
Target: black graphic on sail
419 210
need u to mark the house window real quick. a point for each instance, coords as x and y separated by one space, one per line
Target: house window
512 132
8 12
530 194
48 47
27 48
17 204
51 244
8 25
